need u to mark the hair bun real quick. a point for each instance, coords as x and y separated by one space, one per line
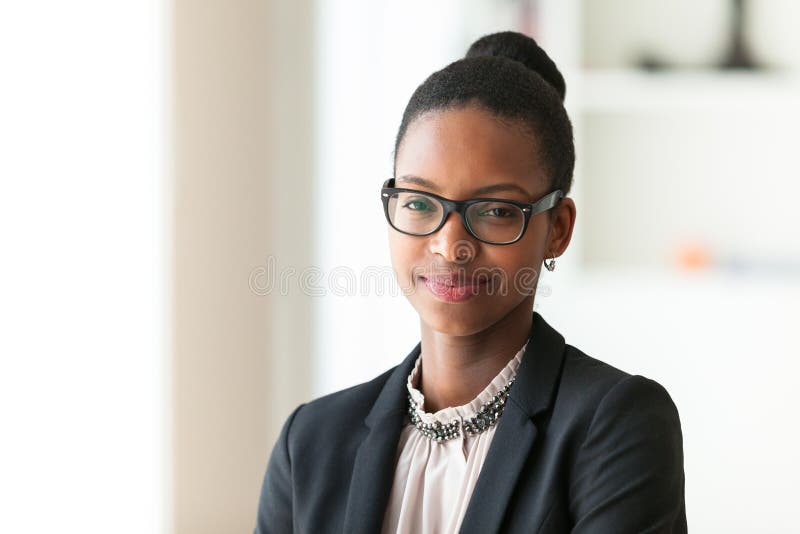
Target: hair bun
520 47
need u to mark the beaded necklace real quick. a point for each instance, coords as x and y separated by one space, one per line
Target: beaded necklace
485 418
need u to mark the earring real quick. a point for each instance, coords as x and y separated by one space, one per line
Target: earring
551 265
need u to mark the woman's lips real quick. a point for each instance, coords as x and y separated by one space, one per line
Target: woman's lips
453 291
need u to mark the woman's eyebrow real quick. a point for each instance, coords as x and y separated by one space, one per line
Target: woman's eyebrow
501 187
410 178
506 186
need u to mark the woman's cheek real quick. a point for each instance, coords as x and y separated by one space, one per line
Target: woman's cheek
519 276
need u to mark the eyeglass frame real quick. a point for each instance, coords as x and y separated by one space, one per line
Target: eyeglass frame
529 209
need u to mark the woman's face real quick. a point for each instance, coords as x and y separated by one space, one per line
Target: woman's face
457 153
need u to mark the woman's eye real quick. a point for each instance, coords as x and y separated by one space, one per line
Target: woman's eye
496 212
417 205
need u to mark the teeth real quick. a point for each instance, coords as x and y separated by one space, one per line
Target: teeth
450 283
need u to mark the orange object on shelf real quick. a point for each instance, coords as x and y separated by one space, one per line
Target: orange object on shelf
693 256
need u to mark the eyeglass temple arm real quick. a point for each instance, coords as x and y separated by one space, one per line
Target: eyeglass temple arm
544 204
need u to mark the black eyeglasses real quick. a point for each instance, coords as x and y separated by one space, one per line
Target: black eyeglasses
491 220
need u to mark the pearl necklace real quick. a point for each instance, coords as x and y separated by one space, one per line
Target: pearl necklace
484 419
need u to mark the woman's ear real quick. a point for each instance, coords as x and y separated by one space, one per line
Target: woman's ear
562 224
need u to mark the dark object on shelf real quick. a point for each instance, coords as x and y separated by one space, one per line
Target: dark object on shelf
738 56
651 63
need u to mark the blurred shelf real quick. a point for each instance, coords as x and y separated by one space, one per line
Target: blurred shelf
784 275
629 90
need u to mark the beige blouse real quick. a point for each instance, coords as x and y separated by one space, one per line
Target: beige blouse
433 482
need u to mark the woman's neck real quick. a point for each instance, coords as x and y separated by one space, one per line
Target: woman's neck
455 369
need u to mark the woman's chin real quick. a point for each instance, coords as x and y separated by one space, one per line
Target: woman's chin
455 320
468 318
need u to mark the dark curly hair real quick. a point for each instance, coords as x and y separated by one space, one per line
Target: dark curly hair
509 75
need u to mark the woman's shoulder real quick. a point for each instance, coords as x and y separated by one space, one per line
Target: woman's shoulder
591 387
338 409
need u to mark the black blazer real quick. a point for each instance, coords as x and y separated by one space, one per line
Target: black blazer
581 447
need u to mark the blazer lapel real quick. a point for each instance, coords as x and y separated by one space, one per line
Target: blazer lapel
516 431
373 471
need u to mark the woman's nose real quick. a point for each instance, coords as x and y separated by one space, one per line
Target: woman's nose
452 241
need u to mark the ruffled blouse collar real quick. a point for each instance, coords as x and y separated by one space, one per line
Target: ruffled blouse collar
465 411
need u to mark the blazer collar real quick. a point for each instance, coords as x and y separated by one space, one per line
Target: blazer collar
533 392
392 398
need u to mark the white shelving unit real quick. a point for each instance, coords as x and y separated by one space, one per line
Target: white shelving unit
684 161
631 91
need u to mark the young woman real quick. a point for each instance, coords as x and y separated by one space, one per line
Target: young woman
492 423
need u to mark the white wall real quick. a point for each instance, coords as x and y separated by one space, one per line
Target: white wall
83 256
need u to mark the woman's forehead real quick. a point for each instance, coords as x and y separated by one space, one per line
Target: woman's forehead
469 150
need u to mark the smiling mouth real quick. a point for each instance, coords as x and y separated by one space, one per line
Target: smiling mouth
454 289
